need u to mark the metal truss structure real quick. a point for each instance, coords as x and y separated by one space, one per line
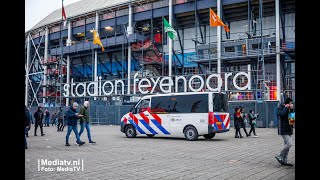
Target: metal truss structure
57 54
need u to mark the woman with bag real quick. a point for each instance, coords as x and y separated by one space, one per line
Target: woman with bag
253 121
237 122
243 119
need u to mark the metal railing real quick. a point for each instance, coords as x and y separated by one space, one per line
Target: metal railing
230 55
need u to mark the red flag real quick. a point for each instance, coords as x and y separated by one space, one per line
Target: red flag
64 15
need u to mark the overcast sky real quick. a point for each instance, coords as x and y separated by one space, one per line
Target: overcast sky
36 10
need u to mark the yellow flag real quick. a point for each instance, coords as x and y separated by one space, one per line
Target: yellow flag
96 39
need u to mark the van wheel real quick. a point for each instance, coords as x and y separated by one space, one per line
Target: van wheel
150 135
191 133
209 136
130 131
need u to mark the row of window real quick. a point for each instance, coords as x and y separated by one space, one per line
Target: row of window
114 14
184 104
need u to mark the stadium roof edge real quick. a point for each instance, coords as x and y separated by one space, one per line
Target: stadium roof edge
83 7
80 8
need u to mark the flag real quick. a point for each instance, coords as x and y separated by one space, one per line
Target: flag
96 39
167 28
64 15
216 21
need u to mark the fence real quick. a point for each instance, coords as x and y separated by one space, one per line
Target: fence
111 114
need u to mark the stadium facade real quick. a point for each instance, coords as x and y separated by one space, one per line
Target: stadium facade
253 62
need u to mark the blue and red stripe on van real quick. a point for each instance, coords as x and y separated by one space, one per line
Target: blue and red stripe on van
217 122
145 121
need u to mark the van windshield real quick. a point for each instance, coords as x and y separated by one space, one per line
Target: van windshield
220 102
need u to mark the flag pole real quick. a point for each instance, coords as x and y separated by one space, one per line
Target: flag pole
61 46
92 57
170 40
209 44
219 39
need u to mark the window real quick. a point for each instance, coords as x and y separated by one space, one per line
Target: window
256 46
160 4
179 1
78 23
90 20
122 12
220 102
142 106
54 29
142 8
120 29
180 104
109 30
35 35
108 15
213 50
229 49
160 104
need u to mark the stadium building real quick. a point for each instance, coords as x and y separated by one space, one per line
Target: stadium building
254 62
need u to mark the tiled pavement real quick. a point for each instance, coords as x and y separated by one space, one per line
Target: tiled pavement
117 157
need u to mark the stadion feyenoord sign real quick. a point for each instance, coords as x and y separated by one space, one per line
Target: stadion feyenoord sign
148 85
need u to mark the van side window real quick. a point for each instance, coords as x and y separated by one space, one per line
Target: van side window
160 104
196 103
220 102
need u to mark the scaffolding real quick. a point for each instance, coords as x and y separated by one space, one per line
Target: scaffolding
72 57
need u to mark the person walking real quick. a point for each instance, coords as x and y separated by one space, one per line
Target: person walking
72 117
30 120
285 129
253 121
243 120
64 119
38 116
26 124
30 116
85 120
53 119
60 120
47 118
237 122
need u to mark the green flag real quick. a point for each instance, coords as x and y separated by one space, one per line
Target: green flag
167 28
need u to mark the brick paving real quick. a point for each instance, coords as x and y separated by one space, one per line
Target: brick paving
117 157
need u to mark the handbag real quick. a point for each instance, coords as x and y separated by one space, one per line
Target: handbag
292 118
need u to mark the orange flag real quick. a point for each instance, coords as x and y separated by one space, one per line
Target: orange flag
216 21
96 39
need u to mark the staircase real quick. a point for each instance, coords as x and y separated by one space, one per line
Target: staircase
261 93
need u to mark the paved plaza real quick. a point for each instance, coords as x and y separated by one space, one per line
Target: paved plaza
117 157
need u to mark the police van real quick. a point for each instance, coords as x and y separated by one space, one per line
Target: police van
191 114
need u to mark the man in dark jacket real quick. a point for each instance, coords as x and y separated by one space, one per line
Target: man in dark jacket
85 120
72 119
285 130
60 119
38 116
26 124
